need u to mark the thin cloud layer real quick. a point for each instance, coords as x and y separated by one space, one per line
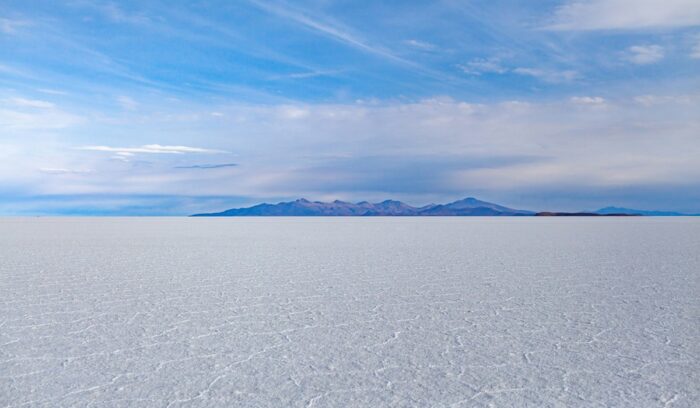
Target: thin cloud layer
645 54
695 50
150 149
207 166
426 151
30 103
625 14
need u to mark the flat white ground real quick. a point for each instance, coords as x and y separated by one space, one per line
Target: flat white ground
340 312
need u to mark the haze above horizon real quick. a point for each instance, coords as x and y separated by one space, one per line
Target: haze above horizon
156 108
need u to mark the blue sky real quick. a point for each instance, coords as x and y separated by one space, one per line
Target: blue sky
151 107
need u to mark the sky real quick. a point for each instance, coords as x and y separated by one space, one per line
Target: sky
173 108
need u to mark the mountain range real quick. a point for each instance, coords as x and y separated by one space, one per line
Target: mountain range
467 207
302 207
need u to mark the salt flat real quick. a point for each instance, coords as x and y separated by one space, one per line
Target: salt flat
339 312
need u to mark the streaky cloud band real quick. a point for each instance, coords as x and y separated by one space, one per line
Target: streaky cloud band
207 166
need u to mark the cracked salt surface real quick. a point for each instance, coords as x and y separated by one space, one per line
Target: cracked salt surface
338 312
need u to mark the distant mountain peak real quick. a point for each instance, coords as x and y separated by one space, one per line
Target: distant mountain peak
474 203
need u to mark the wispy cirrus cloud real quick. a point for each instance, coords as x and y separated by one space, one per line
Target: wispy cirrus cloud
208 166
695 49
119 15
625 14
127 102
645 54
30 103
548 75
331 30
52 91
338 32
588 100
481 66
421 45
58 171
150 149
305 75
12 26
19 113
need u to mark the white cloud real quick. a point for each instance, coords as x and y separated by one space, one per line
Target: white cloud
588 100
150 149
50 170
651 100
8 26
421 45
695 50
117 15
645 54
37 119
625 14
127 103
52 91
646 100
483 66
431 148
546 75
305 75
293 112
207 166
30 103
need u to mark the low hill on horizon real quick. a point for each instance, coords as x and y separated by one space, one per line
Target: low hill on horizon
653 213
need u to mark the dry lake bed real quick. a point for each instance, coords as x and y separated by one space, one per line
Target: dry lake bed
350 312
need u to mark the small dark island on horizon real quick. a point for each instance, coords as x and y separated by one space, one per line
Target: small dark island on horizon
468 207
583 214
